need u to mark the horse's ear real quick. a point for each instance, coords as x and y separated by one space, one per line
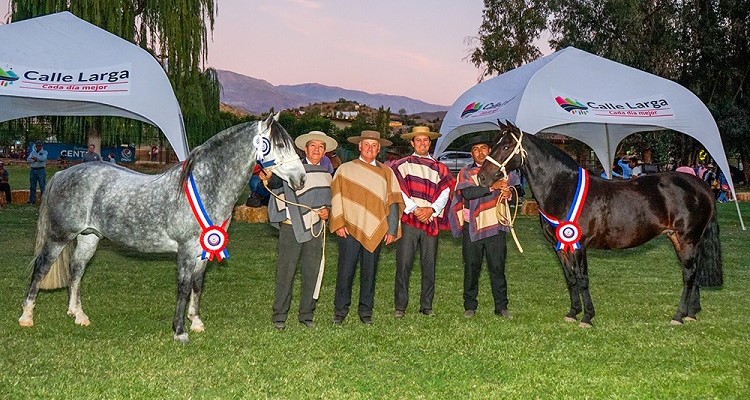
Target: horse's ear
276 116
501 124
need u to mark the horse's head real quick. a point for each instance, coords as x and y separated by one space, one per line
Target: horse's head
506 155
275 151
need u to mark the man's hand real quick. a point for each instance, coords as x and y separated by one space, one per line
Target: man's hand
389 239
502 186
265 175
342 232
424 214
323 214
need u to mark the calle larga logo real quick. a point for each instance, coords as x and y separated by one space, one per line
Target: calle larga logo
7 77
572 106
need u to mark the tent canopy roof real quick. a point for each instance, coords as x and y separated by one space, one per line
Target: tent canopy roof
59 64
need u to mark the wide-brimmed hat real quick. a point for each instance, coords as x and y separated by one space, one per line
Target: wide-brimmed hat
478 140
420 130
301 140
374 135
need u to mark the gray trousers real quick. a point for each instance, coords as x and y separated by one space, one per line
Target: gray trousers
406 250
290 252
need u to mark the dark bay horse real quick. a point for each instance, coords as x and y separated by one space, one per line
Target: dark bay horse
152 213
580 211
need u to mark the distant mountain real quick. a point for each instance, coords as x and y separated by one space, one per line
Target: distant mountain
258 96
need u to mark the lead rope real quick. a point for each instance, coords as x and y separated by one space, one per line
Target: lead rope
502 209
322 231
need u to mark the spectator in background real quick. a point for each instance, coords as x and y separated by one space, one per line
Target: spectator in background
4 185
635 168
91 155
686 170
111 158
259 195
154 153
37 160
624 164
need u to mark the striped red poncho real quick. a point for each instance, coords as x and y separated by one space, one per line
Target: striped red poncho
423 179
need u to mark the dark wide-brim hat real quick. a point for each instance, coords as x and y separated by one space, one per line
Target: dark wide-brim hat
301 140
373 135
420 130
478 140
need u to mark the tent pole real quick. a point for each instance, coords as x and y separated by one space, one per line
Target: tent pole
737 204
609 155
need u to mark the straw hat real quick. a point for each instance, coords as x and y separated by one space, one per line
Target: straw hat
301 140
420 130
374 135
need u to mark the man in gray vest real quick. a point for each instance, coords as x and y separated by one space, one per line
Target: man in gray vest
91 155
301 229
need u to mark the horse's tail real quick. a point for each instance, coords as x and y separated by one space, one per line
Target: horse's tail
708 263
59 273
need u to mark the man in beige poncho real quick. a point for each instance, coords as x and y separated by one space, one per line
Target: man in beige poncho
365 211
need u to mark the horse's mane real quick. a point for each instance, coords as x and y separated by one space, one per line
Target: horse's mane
279 137
198 152
553 151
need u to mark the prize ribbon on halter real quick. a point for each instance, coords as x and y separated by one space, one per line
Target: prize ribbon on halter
568 232
213 238
262 145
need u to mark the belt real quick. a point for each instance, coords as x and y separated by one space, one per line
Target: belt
37 168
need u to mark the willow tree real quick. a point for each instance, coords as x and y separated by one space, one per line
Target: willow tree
175 32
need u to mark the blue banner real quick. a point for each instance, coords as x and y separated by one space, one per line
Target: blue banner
74 153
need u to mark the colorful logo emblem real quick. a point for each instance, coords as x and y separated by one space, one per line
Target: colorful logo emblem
471 108
570 105
7 77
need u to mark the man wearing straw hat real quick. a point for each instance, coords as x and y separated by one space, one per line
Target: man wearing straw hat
425 185
299 215
365 211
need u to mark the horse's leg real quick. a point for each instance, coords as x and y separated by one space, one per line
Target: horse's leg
195 298
582 276
685 254
187 257
570 282
42 263
85 249
694 303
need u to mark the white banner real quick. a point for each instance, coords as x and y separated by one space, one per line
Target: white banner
105 81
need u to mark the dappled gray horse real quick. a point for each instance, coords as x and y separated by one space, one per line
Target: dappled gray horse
152 213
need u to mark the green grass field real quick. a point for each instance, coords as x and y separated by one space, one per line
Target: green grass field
128 351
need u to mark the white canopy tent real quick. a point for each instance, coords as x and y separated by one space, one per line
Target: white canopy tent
59 64
587 97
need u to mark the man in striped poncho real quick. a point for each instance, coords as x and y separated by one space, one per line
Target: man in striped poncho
301 229
426 185
473 216
365 211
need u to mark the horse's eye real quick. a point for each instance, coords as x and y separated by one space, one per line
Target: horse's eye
506 147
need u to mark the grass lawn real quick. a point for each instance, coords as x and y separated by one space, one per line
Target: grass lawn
128 351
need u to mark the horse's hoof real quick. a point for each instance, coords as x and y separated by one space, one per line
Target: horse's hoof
569 319
83 321
26 322
197 325
182 338
675 322
690 319
585 325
